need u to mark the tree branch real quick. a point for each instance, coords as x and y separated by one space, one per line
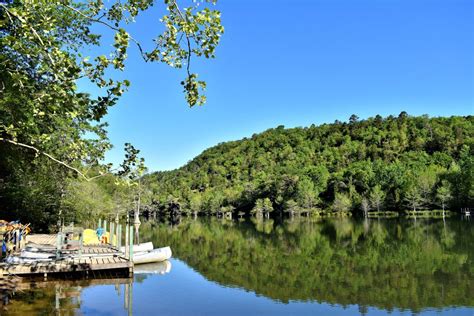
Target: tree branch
98 20
52 158
187 37
10 14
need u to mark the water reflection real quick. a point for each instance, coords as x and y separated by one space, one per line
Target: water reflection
63 297
388 264
302 266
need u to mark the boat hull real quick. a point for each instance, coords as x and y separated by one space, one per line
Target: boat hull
36 255
147 246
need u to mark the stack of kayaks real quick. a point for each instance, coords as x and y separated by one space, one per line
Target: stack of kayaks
142 253
145 253
34 253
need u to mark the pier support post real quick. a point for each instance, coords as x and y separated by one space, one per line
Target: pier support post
17 240
111 233
119 234
130 299
131 243
125 295
126 241
59 241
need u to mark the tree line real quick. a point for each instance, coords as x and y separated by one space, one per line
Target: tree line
378 164
395 163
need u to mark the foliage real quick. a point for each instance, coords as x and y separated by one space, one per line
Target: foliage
376 197
394 163
414 198
341 203
262 206
443 194
86 201
365 206
43 46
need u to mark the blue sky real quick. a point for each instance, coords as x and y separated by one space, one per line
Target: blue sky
299 62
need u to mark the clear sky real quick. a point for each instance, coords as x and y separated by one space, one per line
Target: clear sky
298 62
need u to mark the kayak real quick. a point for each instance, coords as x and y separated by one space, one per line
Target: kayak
147 246
18 260
30 257
40 247
155 255
36 255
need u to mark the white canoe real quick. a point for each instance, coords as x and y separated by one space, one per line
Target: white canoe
156 255
40 247
18 260
163 267
147 246
36 254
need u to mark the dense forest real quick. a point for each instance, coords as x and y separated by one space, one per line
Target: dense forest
393 163
378 164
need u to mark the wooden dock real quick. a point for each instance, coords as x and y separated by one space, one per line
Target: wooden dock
94 260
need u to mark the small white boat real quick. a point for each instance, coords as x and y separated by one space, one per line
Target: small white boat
155 255
147 246
36 255
40 247
163 267
18 260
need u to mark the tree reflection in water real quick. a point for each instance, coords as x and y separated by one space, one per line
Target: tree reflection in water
62 297
386 264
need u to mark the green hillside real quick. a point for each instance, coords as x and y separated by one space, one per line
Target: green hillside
393 163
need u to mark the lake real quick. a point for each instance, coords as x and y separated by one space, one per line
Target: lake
292 267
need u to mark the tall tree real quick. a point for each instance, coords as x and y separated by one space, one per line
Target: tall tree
196 203
342 203
365 205
414 198
443 193
377 197
305 194
42 57
42 47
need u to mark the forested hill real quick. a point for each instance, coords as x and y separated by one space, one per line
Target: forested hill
393 163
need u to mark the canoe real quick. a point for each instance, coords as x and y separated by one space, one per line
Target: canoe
36 255
31 255
147 246
40 247
155 255
18 260
163 267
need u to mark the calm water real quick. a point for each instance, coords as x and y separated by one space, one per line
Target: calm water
337 267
